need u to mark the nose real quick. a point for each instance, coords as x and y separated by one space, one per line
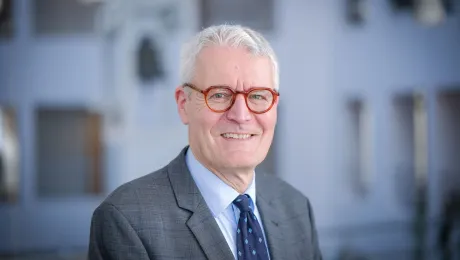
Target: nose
239 112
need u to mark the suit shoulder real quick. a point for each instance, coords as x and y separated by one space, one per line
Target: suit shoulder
136 190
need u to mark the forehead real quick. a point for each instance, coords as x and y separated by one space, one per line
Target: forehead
229 65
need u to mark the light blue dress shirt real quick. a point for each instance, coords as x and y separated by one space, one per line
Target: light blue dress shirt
219 197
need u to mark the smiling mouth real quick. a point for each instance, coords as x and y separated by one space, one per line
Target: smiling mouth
237 136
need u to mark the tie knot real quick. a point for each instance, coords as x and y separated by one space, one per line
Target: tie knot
243 203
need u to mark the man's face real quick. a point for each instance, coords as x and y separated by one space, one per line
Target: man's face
208 131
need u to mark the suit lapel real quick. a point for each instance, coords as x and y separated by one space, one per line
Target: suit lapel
270 220
201 223
208 234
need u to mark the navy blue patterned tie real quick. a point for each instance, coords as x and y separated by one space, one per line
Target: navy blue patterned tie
250 242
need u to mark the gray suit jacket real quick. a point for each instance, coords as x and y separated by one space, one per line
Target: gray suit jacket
162 215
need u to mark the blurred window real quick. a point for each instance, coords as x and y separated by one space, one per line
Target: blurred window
257 14
9 155
448 138
409 146
359 146
69 152
63 17
6 18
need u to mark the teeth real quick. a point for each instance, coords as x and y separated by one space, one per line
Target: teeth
236 136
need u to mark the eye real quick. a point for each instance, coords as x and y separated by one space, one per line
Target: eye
218 95
257 97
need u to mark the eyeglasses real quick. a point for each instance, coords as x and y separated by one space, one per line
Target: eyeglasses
221 98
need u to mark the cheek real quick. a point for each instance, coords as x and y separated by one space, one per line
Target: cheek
268 123
207 123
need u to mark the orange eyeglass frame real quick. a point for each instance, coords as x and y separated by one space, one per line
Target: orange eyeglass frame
205 92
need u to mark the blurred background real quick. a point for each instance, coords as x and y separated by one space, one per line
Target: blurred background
369 115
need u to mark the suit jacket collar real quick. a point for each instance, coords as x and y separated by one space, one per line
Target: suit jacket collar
202 223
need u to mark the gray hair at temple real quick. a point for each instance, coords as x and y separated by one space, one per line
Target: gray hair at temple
226 35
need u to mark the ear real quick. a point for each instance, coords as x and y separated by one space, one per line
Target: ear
181 100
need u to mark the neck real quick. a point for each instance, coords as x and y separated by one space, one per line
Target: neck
239 180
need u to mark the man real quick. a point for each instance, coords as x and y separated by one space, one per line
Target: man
209 203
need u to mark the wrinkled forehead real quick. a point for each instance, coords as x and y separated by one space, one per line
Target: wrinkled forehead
229 65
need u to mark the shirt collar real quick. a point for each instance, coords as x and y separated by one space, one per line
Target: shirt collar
217 194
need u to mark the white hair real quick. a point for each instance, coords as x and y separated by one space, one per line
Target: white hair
226 35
